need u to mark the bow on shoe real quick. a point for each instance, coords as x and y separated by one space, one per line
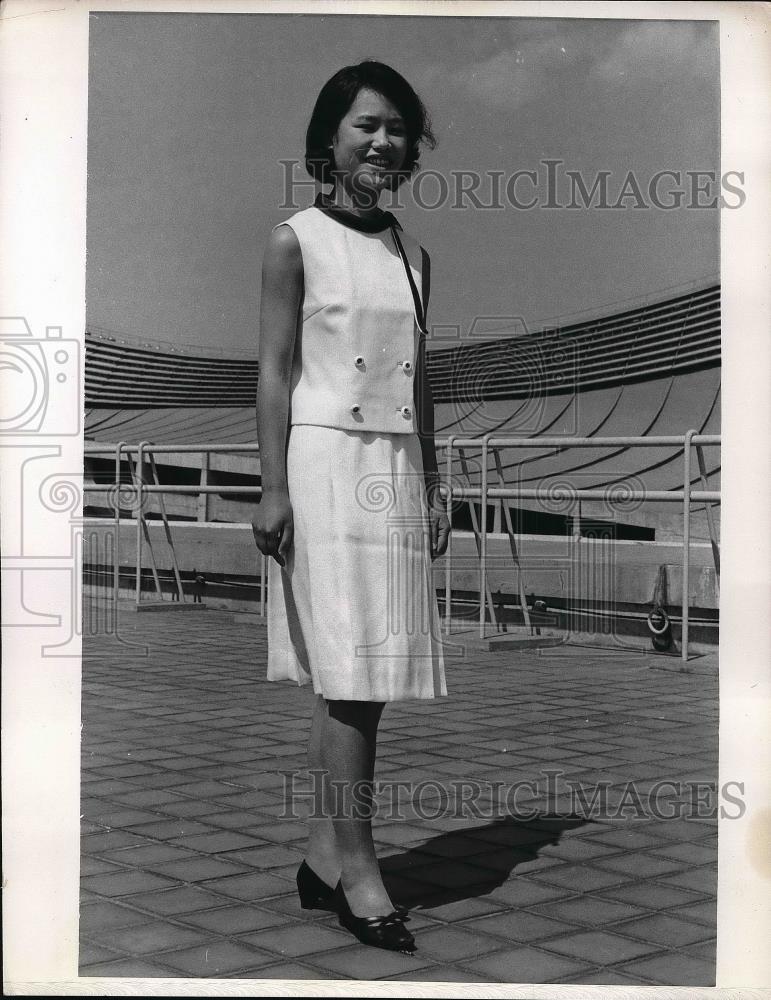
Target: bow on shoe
387 931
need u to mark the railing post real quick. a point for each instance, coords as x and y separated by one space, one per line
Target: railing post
202 512
483 536
116 550
142 526
710 518
577 520
504 505
167 530
139 500
448 554
686 541
477 530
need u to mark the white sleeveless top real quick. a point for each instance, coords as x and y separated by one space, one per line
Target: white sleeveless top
357 338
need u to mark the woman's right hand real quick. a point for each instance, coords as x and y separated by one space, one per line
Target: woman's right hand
273 525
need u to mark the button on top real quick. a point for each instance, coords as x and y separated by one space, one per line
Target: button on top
358 360
405 411
407 366
355 408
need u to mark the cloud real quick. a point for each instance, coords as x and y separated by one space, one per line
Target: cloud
540 59
514 76
660 50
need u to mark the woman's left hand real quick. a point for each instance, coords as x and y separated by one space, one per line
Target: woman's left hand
440 531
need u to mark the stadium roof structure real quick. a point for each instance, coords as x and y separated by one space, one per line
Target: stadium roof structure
645 371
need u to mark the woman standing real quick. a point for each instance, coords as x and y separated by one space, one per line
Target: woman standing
350 510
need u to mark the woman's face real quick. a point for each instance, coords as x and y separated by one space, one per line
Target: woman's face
370 144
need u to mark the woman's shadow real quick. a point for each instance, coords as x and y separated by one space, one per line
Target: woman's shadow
469 862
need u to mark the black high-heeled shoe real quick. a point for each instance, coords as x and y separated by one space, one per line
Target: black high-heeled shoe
313 891
387 931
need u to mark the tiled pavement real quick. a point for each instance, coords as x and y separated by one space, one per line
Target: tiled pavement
188 868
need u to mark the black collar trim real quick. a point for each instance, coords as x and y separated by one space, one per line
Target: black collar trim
378 225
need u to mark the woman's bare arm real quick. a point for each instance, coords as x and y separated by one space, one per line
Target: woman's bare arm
282 288
424 415
424 412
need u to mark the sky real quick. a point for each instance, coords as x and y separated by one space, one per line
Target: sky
191 116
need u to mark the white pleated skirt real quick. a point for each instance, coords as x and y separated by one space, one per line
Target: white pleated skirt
354 609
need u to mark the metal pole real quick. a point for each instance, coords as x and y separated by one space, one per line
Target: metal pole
116 551
477 535
483 538
146 528
139 500
263 582
513 548
448 555
202 513
167 529
576 618
710 518
686 540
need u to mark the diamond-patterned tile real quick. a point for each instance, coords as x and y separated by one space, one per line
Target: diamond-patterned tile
666 929
290 970
524 965
298 940
106 915
180 899
601 947
702 880
197 869
705 912
586 909
673 969
360 961
216 959
183 754
128 968
250 887
452 944
235 919
91 954
521 925
124 882
150 937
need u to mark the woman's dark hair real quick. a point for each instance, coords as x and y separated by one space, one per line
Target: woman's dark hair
336 97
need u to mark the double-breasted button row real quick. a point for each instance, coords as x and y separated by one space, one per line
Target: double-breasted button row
405 411
406 366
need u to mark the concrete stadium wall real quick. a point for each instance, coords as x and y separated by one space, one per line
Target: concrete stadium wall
602 572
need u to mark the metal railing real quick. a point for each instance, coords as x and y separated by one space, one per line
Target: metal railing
141 488
484 492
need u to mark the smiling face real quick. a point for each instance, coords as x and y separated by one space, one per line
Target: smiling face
369 145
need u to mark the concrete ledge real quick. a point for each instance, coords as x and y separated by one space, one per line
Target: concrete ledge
167 606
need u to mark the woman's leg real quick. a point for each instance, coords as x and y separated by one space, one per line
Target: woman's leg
321 853
348 747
